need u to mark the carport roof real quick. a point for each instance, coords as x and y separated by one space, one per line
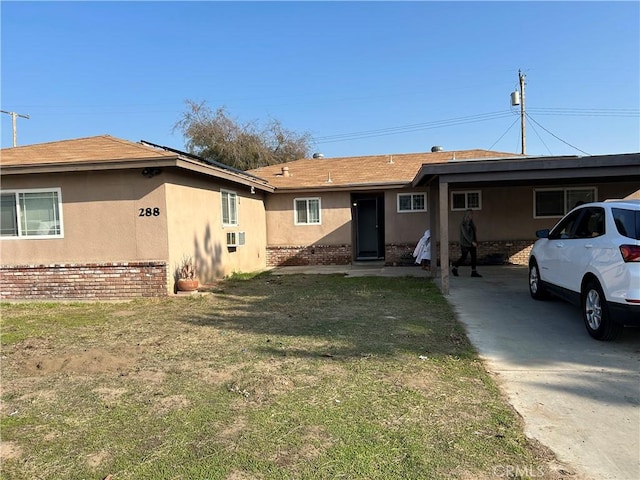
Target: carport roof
612 167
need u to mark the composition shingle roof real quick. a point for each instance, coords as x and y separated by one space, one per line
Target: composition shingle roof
398 169
103 148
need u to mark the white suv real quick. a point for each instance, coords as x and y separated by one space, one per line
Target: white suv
592 258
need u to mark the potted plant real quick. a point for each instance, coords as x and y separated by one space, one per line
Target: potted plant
187 276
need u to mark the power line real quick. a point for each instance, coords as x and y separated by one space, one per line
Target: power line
555 136
540 138
412 127
588 112
506 131
593 112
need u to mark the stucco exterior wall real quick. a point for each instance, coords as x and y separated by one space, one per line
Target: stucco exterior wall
507 213
335 228
195 227
118 218
404 227
102 219
506 224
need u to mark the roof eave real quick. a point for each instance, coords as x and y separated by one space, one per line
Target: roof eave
350 187
63 167
527 168
130 164
197 167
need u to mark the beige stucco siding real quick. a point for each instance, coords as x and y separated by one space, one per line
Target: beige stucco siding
405 227
195 227
101 219
335 227
508 212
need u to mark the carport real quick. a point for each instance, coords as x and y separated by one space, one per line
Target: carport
441 178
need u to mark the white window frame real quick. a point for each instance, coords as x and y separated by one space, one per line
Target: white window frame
412 195
58 207
306 200
466 194
230 213
567 207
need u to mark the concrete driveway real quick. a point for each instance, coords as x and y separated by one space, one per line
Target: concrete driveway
578 396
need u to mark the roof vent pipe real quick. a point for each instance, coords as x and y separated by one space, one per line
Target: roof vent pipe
318 155
437 148
285 171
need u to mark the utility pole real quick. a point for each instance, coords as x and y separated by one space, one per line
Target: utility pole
14 116
517 98
521 78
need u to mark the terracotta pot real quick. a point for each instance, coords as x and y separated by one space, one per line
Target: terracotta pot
186 285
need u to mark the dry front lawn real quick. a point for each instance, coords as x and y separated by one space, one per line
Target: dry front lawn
265 377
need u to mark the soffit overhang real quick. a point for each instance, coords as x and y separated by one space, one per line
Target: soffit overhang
603 168
346 188
133 164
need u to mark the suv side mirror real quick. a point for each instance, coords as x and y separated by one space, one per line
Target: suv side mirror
544 233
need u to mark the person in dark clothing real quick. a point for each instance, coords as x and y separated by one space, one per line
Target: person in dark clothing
468 244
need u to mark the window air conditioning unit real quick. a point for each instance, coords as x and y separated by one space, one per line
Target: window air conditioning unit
235 239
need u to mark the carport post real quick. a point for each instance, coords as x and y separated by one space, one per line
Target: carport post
444 237
434 225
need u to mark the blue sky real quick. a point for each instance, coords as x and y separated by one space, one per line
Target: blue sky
361 77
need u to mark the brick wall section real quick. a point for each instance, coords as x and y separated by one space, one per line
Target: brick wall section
510 251
400 254
98 281
309 255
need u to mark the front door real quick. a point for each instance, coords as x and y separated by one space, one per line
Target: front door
368 220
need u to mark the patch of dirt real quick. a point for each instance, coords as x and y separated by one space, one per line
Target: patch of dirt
40 395
96 459
110 394
237 475
10 451
315 441
153 376
229 435
423 383
220 375
89 361
168 404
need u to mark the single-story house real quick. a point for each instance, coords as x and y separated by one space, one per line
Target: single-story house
338 210
102 217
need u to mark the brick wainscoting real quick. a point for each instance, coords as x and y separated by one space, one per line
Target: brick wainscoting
309 255
104 281
515 252
505 251
399 254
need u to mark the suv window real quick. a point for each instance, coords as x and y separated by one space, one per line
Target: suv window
591 224
566 227
627 222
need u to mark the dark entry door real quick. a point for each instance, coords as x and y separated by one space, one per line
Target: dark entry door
368 216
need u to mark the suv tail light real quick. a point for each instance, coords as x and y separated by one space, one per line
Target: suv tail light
630 253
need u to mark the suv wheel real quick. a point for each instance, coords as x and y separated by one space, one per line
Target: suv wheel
595 313
536 289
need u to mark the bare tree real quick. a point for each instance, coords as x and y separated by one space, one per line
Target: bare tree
216 136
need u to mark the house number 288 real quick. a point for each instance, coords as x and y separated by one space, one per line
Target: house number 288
148 212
